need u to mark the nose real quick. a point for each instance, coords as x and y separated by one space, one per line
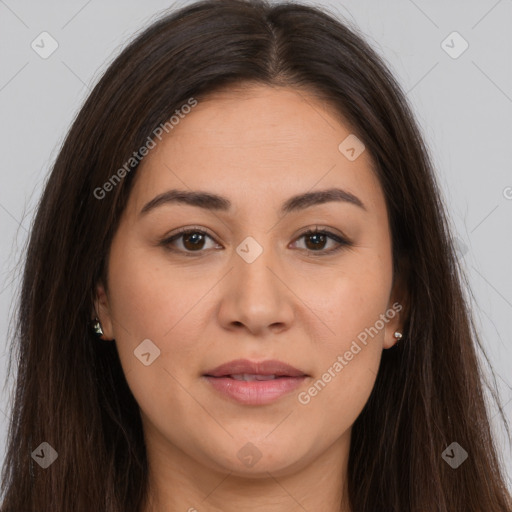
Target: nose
257 296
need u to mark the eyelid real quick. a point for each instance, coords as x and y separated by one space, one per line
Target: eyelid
316 228
189 229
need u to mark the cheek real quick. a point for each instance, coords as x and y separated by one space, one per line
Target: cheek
147 304
150 300
351 299
349 351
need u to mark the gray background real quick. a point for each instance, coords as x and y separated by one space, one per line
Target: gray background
463 104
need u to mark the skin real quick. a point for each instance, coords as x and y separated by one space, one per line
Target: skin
256 146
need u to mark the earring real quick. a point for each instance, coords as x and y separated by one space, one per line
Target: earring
96 326
398 336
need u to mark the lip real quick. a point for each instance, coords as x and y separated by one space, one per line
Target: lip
268 367
255 392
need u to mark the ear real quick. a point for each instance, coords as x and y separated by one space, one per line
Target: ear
102 311
396 311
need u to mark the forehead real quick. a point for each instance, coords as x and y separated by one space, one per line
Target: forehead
255 142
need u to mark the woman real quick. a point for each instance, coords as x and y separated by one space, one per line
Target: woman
240 291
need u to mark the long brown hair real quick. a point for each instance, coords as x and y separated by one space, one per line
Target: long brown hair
71 391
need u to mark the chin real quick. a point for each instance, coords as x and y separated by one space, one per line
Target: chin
253 459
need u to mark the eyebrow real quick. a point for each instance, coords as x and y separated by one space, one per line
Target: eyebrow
210 201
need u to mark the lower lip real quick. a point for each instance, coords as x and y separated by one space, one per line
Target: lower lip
255 392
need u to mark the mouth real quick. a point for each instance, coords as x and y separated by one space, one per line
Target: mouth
249 377
255 383
243 369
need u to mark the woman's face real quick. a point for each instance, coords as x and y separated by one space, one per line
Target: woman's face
252 287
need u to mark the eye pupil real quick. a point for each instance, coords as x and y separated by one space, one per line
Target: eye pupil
197 237
320 238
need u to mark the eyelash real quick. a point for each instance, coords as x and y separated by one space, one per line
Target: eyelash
343 242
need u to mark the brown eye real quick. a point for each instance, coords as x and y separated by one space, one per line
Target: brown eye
316 240
192 240
195 240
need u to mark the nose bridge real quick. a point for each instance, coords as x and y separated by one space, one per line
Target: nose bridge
256 297
253 262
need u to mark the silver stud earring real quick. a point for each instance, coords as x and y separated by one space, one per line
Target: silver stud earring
96 326
398 335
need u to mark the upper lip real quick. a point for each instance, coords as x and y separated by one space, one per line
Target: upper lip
268 367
